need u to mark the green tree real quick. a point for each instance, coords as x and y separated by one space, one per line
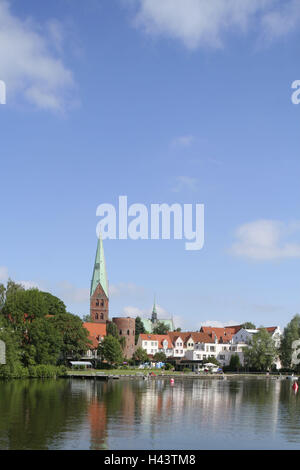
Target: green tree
112 330
87 319
21 305
212 360
291 333
44 342
139 329
235 363
261 353
249 326
110 350
75 338
2 296
54 306
161 329
140 356
14 353
160 357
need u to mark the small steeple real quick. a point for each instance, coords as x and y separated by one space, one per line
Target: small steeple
99 274
154 312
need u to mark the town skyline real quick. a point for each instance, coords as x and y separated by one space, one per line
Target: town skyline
111 99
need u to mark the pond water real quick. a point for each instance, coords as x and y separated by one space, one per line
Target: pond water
127 414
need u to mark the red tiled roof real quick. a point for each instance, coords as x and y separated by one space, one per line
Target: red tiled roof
198 337
270 329
234 329
159 338
223 335
96 331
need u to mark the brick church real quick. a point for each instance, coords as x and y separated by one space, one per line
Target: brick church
99 305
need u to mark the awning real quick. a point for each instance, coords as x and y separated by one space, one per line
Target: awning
79 363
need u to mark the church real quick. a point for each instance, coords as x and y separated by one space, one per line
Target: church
99 310
151 323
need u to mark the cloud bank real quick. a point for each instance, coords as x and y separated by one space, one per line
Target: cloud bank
29 61
202 23
267 240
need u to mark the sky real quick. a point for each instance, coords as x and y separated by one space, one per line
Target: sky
163 102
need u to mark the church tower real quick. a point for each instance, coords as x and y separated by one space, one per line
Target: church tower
99 300
154 313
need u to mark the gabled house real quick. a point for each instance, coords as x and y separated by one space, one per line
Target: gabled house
153 344
97 331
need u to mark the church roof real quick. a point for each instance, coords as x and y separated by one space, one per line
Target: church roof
99 274
149 326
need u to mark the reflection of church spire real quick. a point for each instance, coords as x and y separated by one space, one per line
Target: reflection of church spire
154 312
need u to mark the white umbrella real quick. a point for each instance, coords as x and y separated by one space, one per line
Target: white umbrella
209 364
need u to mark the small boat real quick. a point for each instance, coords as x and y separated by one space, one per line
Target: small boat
292 377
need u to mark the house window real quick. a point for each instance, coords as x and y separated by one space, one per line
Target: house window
97 303
128 332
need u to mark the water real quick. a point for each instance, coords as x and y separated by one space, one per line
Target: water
241 413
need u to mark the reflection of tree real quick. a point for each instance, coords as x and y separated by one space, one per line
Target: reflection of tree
34 413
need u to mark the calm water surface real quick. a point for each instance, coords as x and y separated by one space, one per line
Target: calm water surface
245 413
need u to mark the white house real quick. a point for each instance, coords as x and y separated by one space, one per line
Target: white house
153 344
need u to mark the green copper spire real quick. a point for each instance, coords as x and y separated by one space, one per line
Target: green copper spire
99 275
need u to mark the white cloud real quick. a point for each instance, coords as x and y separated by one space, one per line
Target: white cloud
121 289
27 64
266 240
72 294
200 23
3 273
282 21
183 141
184 183
218 324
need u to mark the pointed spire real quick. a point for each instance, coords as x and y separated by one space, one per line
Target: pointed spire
99 274
154 311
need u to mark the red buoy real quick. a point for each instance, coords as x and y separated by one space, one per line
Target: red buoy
295 387
172 381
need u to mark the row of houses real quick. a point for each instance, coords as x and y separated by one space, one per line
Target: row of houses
194 348
191 349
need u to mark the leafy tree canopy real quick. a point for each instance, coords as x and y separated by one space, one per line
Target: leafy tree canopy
160 357
291 333
249 326
235 363
161 329
110 350
140 356
262 351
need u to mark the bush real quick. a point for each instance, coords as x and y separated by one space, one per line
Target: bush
168 366
32 372
186 369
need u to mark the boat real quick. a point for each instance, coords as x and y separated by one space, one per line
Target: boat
292 377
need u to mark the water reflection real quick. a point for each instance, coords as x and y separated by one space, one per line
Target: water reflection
136 414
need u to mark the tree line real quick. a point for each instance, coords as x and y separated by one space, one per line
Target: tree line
37 330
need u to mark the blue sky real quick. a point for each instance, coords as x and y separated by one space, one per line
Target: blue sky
164 102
